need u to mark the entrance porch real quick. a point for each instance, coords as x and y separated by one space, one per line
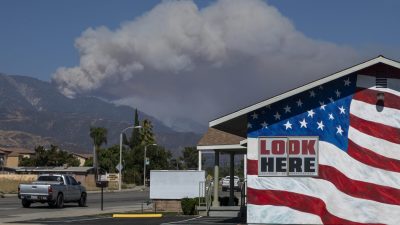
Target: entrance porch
218 142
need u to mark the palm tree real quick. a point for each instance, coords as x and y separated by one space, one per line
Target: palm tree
99 137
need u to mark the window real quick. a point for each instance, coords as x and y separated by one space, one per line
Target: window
72 180
51 178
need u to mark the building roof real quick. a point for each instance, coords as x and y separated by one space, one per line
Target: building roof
15 151
236 122
82 155
216 139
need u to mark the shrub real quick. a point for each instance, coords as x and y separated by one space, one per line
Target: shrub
189 205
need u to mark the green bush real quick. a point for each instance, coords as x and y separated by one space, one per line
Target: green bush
189 205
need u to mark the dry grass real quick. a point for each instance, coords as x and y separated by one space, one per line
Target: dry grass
9 183
8 186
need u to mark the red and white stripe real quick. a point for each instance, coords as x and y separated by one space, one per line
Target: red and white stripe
361 186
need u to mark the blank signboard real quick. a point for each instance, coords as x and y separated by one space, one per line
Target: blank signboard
175 184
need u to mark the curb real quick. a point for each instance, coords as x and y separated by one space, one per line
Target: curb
137 215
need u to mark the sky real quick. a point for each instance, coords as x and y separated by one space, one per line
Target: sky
188 62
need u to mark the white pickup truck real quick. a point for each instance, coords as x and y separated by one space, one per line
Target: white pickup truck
53 189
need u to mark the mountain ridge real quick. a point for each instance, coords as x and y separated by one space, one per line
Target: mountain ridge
36 107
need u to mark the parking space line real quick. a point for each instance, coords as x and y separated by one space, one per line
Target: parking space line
137 215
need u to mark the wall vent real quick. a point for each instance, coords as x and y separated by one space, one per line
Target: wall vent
381 82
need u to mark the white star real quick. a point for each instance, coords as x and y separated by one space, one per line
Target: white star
303 123
310 113
339 130
337 92
299 103
342 110
277 116
322 105
287 109
265 125
249 125
347 82
320 125
255 116
312 93
331 99
288 125
331 116
321 87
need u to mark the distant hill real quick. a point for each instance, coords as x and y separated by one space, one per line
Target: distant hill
33 112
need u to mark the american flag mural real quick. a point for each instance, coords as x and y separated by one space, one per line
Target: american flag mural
359 155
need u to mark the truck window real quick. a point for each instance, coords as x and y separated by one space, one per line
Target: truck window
68 182
51 178
72 180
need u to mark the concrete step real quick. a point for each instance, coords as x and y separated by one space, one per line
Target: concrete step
220 211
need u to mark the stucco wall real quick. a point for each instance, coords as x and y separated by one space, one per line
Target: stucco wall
12 161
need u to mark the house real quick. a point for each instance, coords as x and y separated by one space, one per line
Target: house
82 157
326 152
11 156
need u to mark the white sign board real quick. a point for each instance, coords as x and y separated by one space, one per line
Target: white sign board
175 184
112 176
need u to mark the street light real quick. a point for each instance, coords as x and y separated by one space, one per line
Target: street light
120 153
144 163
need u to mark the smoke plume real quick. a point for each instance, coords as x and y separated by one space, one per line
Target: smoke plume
181 63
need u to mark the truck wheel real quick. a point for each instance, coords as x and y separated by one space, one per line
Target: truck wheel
60 201
82 200
26 203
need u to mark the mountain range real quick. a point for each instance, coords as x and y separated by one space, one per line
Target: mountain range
33 112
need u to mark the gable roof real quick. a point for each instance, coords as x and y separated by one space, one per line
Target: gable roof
240 115
216 139
14 151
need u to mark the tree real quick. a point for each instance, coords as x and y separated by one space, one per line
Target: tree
50 157
146 134
109 158
175 164
135 137
99 137
190 158
159 157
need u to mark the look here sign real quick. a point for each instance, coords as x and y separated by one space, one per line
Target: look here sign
288 156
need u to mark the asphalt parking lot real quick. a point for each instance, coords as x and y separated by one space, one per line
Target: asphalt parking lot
165 220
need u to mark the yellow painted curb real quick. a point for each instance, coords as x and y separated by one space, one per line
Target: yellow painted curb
137 215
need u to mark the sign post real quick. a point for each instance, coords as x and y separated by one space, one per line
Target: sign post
102 183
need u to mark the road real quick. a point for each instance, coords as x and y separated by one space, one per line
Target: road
165 220
12 210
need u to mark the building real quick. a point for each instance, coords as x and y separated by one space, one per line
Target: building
11 156
323 153
82 157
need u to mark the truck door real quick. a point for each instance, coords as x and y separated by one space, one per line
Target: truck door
67 189
75 189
